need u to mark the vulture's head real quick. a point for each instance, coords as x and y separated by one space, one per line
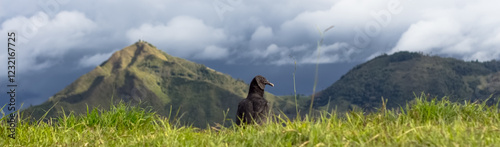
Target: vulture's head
261 82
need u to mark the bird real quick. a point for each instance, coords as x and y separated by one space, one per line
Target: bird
254 108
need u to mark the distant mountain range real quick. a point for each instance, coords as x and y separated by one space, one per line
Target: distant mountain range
167 84
399 76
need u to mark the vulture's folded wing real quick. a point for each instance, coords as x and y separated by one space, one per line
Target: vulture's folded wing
245 111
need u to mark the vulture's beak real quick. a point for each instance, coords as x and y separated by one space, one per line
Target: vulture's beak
271 84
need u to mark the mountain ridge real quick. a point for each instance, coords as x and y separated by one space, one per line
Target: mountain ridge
141 73
396 77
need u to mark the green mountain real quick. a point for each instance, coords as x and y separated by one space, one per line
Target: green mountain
167 84
397 77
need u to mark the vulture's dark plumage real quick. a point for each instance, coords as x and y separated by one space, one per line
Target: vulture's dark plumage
254 108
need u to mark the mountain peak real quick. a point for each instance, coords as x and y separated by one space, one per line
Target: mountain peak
142 74
133 54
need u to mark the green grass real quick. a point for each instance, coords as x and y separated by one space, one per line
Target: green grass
426 122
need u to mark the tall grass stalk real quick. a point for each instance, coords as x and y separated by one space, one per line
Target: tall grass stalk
295 90
318 49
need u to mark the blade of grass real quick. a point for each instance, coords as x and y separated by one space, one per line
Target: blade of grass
318 48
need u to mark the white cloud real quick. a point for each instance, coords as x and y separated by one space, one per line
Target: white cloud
469 30
344 15
212 52
304 54
269 51
65 32
182 36
429 35
262 33
94 60
337 52
41 41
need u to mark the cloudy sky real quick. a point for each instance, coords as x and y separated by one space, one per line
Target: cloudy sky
60 40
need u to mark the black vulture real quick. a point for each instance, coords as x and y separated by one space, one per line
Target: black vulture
254 108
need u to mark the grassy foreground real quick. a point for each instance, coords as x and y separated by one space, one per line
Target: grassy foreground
423 123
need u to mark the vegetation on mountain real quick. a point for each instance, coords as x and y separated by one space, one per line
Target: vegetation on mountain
142 73
200 96
397 77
